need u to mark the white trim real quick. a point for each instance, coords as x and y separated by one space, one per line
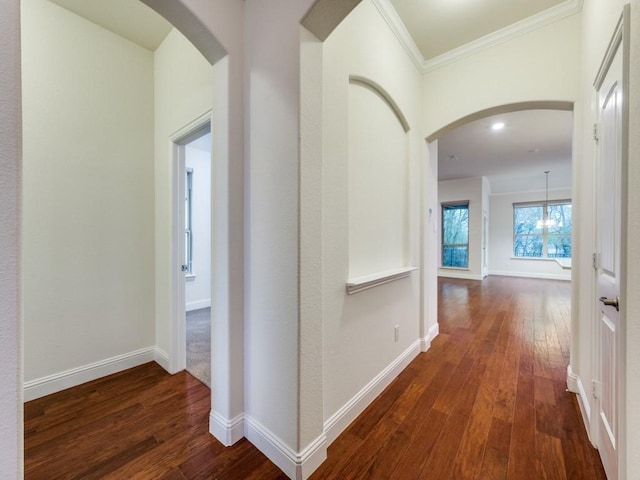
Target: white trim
572 380
206 303
297 466
534 22
545 276
161 357
574 385
76 376
456 273
341 419
226 431
425 342
358 284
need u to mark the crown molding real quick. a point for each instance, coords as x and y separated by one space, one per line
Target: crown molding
397 26
539 20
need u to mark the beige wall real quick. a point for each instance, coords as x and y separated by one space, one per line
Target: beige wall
88 242
542 65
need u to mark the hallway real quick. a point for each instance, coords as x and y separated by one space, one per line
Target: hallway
487 401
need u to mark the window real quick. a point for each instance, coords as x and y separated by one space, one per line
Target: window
455 234
188 233
536 235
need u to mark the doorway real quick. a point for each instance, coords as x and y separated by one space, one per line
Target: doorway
192 235
197 174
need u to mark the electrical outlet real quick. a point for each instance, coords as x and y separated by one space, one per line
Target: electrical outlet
396 333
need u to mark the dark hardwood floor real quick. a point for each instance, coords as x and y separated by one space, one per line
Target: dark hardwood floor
487 401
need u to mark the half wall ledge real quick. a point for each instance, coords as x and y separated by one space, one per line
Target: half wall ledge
358 284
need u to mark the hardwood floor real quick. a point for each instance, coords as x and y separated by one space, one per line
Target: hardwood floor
487 401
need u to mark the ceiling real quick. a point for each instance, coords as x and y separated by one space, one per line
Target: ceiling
513 159
130 19
439 26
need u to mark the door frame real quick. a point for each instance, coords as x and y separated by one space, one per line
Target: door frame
619 40
179 139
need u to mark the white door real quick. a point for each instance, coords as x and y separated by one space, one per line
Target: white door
608 213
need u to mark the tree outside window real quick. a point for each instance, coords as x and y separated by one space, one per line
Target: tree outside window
455 234
538 236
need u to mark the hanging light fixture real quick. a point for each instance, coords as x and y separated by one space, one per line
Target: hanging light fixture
545 221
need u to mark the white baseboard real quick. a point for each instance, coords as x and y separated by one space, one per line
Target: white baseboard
297 466
425 343
76 376
340 420
574 385
206 303
161 358
459 274
226 431
544 276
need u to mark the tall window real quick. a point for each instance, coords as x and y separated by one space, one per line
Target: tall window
188 232
455 234
540 235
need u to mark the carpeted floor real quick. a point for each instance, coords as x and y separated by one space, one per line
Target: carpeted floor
199 344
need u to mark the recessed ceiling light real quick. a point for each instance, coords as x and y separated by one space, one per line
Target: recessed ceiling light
534 150
453 157
497 126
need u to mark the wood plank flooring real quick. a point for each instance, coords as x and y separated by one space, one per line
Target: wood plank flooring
487 401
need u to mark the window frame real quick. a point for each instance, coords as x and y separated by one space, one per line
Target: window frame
188 198
544 233
443 207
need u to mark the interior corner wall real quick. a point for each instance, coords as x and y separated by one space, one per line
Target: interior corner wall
198 287
11 407
358 329
87 254
183 81
501 260
471 190
541 65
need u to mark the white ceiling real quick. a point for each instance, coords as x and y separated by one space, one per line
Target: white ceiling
438 26
514 159
130 19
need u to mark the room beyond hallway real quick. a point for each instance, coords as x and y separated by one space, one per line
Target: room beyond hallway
199 344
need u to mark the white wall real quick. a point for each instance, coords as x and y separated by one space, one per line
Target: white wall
183 81
631 431
464 189
501 260
11 429
599 20
358 330
198 286
88 267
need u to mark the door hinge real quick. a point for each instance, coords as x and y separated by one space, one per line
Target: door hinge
595 260
595 388
596 132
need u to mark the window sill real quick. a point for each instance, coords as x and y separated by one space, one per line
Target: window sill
358 284
565 263
463 269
